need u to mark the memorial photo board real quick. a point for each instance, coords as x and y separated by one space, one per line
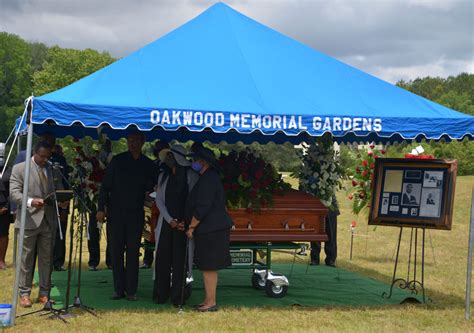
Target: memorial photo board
413 193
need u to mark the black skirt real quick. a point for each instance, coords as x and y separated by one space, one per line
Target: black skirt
5 220
211 250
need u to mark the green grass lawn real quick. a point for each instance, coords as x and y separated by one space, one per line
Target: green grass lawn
445 276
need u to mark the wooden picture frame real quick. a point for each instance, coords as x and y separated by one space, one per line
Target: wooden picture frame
413 193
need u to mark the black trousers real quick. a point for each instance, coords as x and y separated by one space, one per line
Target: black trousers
93 244
169 265
59 250
125 234
330 246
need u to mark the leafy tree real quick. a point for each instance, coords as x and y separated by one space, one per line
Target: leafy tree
65 66
39 52
15 79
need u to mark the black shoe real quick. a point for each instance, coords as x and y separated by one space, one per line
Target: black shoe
117 296
314 263
93 268
145 266
59 268
132 298
210 309
330 263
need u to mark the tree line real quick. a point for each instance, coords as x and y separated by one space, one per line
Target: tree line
32 68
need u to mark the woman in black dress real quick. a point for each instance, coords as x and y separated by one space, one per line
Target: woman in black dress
172 191
209 224
5 217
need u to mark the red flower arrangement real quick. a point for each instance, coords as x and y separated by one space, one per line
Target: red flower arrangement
249 181
88 173
361 192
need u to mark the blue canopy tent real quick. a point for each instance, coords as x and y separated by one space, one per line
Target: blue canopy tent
225 77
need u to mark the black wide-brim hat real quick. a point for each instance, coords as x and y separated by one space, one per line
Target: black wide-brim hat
207 155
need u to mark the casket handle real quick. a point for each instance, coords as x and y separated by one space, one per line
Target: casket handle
249 226
302 226
287 227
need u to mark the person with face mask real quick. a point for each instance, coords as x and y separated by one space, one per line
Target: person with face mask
173 185
209 224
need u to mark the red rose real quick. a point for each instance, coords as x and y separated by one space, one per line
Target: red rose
365 173
372 146
372 165
350 196
354 183
370 153
365 163
383 151
258 174
358 170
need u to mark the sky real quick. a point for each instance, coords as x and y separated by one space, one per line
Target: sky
391 39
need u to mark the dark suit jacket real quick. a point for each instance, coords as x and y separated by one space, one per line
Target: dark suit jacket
206 202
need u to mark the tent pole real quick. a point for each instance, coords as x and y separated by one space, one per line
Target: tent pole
24 200
15 236
469 261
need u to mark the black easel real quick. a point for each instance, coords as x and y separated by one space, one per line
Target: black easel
411 283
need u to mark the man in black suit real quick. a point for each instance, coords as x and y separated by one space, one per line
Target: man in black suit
122 195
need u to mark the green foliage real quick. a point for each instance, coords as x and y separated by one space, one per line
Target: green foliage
455 92
15 79
65 66
321 173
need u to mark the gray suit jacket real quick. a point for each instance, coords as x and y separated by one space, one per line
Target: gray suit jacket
34 216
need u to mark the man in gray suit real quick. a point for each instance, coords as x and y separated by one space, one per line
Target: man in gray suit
41 220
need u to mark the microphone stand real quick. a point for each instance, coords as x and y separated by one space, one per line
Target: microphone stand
85 210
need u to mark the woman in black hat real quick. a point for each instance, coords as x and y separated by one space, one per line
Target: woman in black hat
173 185
209 224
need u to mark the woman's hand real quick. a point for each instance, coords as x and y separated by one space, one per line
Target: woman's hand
174 223
180 226
189 233
3 210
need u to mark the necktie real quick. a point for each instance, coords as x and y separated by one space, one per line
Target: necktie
43 181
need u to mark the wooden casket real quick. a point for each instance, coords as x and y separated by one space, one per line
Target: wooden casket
295 216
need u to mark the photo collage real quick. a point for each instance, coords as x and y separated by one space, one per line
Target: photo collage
412 193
